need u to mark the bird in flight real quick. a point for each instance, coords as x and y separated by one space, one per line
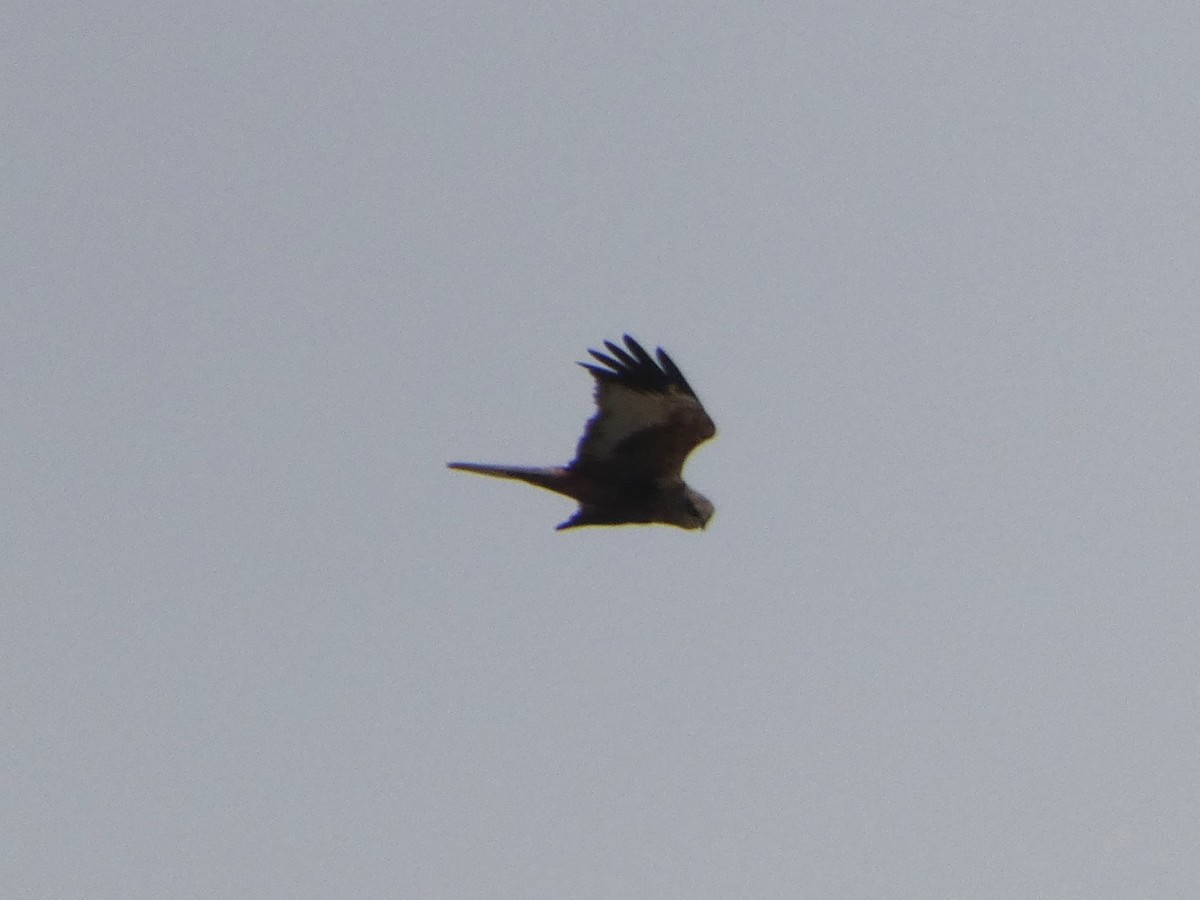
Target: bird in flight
628 465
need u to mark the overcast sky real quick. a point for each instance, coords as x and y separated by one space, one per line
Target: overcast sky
933 270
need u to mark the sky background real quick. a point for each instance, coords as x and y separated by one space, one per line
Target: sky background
932 269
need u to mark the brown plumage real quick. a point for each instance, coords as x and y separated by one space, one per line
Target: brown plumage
629 463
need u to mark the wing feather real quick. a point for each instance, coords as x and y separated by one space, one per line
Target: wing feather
615 349
648 418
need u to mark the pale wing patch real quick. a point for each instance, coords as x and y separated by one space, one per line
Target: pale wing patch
624 412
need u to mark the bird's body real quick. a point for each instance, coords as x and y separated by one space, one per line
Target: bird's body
628 466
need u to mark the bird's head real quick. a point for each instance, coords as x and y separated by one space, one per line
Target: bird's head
688 509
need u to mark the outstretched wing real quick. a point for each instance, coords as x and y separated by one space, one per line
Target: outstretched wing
648 418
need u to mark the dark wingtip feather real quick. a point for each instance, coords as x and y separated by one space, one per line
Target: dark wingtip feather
597 371
617 351
673 372
635 368
606 360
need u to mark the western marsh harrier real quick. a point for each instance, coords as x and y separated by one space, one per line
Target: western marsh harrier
628 465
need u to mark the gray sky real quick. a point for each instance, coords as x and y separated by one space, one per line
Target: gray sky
933 271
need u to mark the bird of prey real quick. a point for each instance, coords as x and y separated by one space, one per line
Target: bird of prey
628 465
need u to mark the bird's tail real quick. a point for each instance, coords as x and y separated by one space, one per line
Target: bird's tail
552 479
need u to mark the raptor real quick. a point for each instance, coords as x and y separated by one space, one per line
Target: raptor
628 466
